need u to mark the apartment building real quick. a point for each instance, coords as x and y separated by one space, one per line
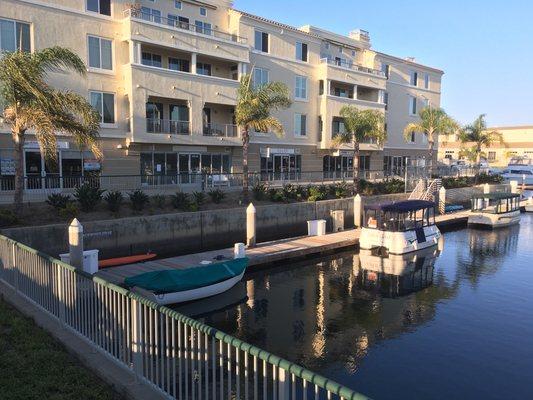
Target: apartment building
164 75
517 142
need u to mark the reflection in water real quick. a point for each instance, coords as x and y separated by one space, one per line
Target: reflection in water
360 318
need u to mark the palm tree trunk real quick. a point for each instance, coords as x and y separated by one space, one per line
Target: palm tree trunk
478 164
245 145
430 158
18 139
355 168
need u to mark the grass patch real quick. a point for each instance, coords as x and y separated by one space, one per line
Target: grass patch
34 365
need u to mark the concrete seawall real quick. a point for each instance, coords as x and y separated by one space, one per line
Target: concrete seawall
184 233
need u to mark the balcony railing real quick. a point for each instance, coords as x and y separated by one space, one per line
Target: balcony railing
220 130
166 126
351 65
136 13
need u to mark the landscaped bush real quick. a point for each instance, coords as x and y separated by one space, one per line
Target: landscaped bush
70 211
317 193
259 191
7 218
341 190
216 195
181 201
138 200
464 181
114 200
159 200
88 196
385 187
198 198
58 200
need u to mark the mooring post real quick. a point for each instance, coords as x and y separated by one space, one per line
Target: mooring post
250 226
514 186
442 200
486 188
75 242
357 211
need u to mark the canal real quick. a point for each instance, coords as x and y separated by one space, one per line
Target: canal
456 323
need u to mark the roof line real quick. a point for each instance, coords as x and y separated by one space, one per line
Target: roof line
410 62
511 127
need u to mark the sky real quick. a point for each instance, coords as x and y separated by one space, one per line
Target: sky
485 47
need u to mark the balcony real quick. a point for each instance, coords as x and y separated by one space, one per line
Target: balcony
168 126
138 14
352 66
220 130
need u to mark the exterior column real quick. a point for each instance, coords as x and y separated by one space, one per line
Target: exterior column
355 92
328 87
357 211
442 200
250 226
139 53
240 71
193 63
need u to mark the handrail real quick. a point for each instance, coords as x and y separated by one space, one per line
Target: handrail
139 14
351 65
168 126
220 130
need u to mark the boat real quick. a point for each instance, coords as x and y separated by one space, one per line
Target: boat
174 286
399 227
494 210
115 262
519 169
529 205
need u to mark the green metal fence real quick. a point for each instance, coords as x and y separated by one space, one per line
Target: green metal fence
181 357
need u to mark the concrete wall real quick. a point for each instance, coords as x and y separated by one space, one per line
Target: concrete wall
182 233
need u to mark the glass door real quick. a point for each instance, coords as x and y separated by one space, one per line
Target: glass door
34 170
184 168
195 168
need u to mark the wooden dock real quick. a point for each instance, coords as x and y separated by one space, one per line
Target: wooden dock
264 253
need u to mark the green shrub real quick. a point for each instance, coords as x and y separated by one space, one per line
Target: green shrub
341 190
317 193
70 211
8 218
114 200
216 195
198 198
138 200
88 196
181 201
159 200
58 200
259 191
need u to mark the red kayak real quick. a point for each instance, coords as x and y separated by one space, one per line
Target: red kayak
115 262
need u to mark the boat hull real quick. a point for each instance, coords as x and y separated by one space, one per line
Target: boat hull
193 294
494 220
529 208
398 242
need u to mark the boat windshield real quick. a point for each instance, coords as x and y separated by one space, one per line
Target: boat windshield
396 221
495 205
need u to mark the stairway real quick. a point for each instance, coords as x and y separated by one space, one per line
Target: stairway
430 192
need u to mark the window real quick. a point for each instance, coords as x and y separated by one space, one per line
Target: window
386 100
354 53
300 91
178 4
300 124
261 41
385 68
203 69
203 11
492 156
426 81
261 77
301 51
177 64
100 53
427 103
327 46
104 103
99 6
152 60
177 21
414 78
149 14
412 138
203 27
412 105
338 126
14 36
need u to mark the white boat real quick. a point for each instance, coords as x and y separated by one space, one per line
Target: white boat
495 210
529 205
181 285
399 227
519 169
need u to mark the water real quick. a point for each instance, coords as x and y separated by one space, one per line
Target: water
454 325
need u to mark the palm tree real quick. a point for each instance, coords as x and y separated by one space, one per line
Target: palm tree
359 126
477 135
433 122
254 105
31 104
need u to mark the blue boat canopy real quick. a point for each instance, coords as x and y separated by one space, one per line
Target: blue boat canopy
180 280
402 206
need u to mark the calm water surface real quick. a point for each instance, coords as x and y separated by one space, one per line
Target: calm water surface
450 324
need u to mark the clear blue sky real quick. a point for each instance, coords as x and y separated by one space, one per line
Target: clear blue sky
484 47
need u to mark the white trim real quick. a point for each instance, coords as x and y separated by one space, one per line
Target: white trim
113 62
369 74
106 125
356 101
414 87
90 14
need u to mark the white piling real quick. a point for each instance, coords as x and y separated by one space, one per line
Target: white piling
239 250
75 242
250 226
357 211
486 188
442 200
514 186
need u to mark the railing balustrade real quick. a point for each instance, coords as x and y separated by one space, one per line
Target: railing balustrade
220 130
182 358
352 65
168 126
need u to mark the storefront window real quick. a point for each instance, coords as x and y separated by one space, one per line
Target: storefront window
281 167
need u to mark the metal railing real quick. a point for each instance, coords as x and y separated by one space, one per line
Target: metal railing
179 356
168 126
175 23
220 130
351 65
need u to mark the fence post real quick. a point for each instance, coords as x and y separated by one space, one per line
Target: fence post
14 267
283 384
136 345
442 200
486 188
250 226
75 241
514 186
61 294
357 211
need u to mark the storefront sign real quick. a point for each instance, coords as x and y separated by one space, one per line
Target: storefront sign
91 165
345 153
267 152
33 144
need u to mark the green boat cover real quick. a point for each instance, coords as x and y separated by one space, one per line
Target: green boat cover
180 280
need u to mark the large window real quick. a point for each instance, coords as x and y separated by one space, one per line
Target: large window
100 53
99 6
261 76
104 103
203 69
153 60
203 27
426 81
412 105
386 100
14 36
261 41
301 51
385 68
300 90
177 64
414 78
300 124
150 14
281 167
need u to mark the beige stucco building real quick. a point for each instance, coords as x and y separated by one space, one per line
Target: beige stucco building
517 142
164 76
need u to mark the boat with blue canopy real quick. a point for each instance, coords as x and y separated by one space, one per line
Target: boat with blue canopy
399 227
180 285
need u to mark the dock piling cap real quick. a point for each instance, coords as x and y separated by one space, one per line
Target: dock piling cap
75 224
250 208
